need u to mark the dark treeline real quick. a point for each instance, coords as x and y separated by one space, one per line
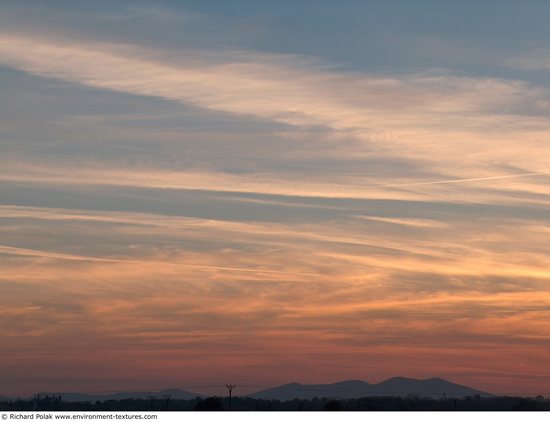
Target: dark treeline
55 403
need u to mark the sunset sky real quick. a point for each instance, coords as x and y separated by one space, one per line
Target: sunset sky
196 193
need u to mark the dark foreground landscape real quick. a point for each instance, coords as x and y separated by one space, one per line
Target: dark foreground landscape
55 403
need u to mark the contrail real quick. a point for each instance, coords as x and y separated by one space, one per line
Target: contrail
33 252
476 179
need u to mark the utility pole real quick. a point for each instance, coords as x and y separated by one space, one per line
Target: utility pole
230 388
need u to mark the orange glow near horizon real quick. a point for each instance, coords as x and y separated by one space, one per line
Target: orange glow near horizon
287 307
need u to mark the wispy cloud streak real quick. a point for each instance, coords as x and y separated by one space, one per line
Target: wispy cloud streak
397 112
9 250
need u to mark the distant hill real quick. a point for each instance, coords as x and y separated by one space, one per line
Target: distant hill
173 393
393 387
399 386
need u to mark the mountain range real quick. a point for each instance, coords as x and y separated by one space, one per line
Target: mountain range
398 386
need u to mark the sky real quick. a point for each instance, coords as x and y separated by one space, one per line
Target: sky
195 193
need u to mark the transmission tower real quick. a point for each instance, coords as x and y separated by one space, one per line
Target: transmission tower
230 388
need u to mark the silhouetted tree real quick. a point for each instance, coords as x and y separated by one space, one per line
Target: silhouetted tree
333 405
210 404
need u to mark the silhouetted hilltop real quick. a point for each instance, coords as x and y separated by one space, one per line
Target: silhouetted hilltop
393 387
433 387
